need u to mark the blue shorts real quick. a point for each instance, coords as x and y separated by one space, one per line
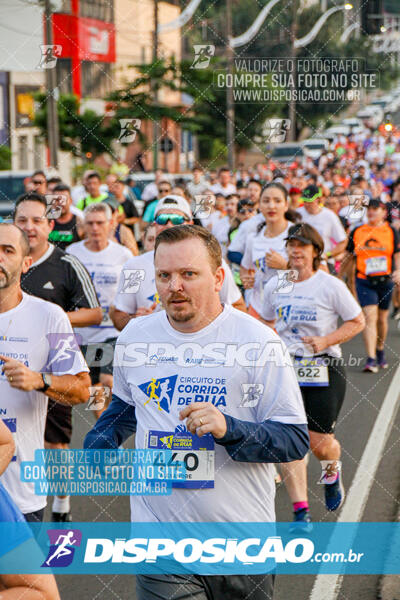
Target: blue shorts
377 292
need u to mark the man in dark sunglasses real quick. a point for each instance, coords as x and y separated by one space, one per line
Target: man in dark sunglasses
164 188
39 182
137 295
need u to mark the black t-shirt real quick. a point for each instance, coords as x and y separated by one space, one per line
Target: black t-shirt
130 210
62 279
64 234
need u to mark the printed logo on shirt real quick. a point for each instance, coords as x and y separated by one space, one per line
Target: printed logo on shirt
62 547
159 392
48 286
154 298
297 313
62 351
261 264
283 312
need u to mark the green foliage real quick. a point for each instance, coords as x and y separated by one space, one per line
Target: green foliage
5 158
79 133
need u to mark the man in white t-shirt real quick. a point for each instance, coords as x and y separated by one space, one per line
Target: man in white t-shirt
40 360
242 409
137 294
104 260
324 221
224 185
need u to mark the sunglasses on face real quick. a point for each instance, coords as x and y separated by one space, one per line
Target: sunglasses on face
244 211
175 219
37 181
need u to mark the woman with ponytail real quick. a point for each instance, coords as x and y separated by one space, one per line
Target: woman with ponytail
265 251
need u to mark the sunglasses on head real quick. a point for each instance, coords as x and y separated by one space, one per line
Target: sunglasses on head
175 219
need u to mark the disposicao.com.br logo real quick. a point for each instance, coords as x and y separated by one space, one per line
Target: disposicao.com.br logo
192 550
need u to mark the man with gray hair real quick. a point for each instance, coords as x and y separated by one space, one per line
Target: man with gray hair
104 260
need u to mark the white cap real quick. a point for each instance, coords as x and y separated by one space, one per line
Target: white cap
174 202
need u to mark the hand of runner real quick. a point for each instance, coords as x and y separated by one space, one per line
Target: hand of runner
142 311
396 276
19 376
202 418
275 261
317 343
248 279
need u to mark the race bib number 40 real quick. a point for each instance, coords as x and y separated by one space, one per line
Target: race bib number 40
197 453
311 372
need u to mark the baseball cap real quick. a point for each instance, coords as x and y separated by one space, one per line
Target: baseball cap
294 233
311 193
172 203
375 203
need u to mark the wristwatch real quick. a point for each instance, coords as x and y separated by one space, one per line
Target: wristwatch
46 382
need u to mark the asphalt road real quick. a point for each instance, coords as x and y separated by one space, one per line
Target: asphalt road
364 397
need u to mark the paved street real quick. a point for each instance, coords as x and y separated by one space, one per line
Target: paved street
364 398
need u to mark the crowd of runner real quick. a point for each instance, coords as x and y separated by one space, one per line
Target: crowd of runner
301 246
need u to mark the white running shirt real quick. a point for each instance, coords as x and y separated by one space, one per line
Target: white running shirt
254 258
185 368
104 269
311 308
38 334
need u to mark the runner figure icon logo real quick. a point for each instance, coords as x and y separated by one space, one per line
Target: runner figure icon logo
252 394
286 281
50 54
129 129
202 55
276 130
160 391
62 351
62 547
132 280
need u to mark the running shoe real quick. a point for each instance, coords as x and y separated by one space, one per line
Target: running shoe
301 522
57 517
396 315
334 494
370 366
380 358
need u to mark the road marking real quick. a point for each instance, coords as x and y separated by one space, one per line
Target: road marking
328 586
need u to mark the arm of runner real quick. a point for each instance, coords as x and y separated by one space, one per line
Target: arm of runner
65 389
344 333
85 317
269 441
34 587
240 305
120 318
115 425
128 240
7 446
339 248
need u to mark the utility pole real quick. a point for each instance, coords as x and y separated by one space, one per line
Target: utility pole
51 84
230 107
293 88
156 125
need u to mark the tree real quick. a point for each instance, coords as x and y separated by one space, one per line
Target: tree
86 134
